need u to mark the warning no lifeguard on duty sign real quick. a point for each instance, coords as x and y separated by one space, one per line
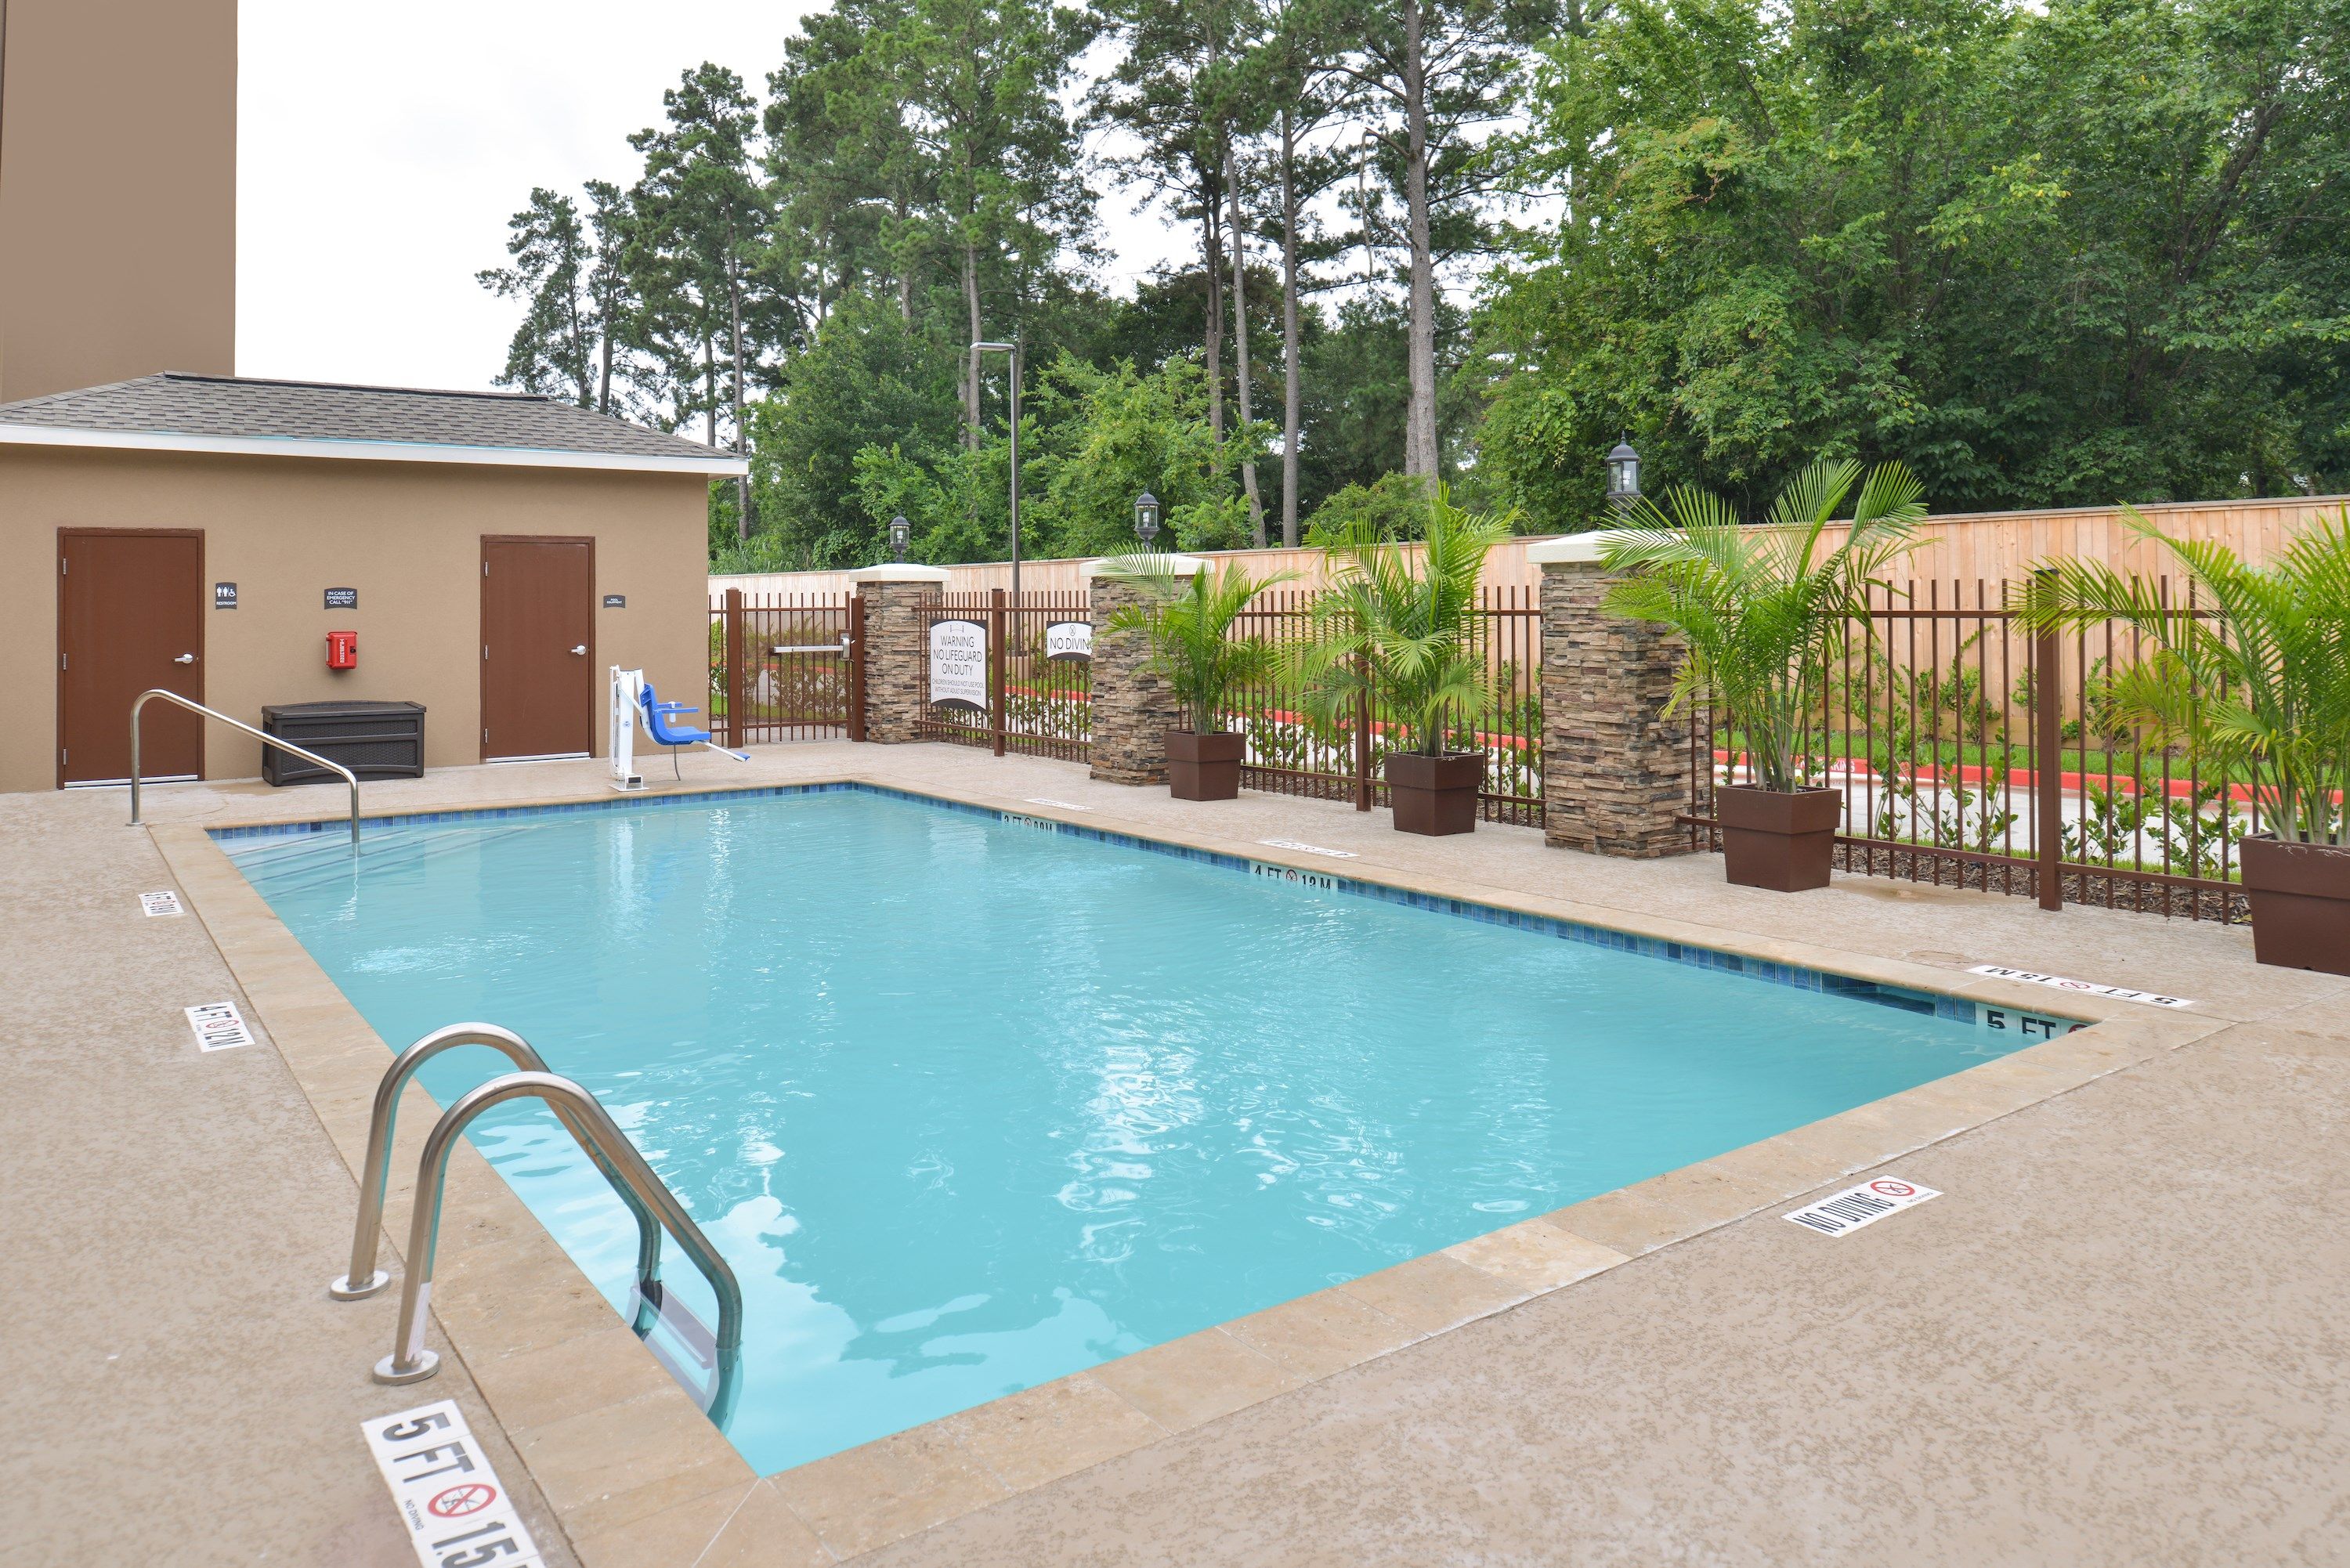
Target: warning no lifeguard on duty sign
1864 1205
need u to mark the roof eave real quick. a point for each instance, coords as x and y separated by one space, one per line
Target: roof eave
716 465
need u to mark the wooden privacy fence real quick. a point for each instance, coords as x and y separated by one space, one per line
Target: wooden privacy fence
1974 754
1037 698
1338 757
1955 547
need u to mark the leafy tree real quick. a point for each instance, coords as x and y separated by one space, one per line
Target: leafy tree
555 344
700 229
2041 258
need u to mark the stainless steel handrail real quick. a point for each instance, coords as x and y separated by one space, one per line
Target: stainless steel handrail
410 1362
364 1278
140 701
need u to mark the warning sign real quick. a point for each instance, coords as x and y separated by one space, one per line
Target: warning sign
460 1500
219 1026
456 1513
2085 987
1858 1206
160 904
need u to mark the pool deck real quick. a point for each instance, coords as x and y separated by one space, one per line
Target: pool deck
2114 1338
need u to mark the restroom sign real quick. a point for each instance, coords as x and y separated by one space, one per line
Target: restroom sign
959 664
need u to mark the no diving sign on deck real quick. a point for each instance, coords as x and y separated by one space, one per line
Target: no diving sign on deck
456 1512
1854 1207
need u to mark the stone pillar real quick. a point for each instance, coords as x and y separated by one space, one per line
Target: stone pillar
1133 710
1616 772
897 642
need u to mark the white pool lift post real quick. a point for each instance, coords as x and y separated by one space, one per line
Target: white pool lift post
634 703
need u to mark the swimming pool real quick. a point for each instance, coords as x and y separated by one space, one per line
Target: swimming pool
969 1101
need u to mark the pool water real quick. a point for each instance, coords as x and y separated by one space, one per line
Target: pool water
969 1104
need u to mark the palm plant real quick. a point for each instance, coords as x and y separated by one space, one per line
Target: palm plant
1765 613
1188 620
1403 624
2261 691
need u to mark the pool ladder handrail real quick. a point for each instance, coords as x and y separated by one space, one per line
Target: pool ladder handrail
655 1206
363 1279
142 700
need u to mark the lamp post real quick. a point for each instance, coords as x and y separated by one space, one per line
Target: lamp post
1146 518
1623 476
1012 351
900 532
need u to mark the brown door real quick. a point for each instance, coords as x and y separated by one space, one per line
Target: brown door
130 615
538 647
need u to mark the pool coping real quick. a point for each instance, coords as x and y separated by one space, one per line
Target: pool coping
635 1475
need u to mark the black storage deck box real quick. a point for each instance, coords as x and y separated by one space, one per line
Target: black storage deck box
374 740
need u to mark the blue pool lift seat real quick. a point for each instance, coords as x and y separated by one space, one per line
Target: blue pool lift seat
658 715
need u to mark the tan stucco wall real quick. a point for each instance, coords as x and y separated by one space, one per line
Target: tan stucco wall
406 536
117 191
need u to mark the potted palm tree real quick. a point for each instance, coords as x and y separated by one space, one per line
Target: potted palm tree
1765 613
1187 620
2261 693
1402 624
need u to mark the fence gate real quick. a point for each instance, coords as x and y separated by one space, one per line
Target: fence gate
786 667
1010 674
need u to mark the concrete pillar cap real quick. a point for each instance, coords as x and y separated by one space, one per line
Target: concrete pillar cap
1571 549
900 572
1173 565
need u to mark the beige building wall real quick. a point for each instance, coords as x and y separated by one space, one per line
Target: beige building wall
406 536
118 191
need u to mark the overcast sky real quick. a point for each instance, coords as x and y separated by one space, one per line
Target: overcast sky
381 149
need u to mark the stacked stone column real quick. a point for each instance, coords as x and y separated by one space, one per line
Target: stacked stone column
1615 771
1133 708
897 642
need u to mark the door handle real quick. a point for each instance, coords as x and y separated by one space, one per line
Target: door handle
581 649
185 659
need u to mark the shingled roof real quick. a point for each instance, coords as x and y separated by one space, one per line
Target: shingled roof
176 411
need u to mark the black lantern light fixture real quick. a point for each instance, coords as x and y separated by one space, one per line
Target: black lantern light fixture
1623 475
1146 518
900 531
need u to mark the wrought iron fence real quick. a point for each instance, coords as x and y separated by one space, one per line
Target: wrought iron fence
1292 752
1029 686
1936 725
784 667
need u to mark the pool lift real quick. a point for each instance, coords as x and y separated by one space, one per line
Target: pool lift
713 1378
635 702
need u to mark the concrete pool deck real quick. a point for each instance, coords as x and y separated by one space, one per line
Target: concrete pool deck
2109 1341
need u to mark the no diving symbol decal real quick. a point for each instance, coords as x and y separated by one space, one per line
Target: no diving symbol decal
460 1500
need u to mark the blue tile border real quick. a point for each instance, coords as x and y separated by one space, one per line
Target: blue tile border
1937 1004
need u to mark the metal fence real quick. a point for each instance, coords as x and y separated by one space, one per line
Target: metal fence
1291 751
1972 753
785 666
1023 694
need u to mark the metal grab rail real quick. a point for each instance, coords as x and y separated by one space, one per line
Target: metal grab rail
140 701
410 1362
363 1278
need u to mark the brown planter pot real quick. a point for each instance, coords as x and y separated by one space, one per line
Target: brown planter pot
1770 839
1435 795
2300 895
1204 767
